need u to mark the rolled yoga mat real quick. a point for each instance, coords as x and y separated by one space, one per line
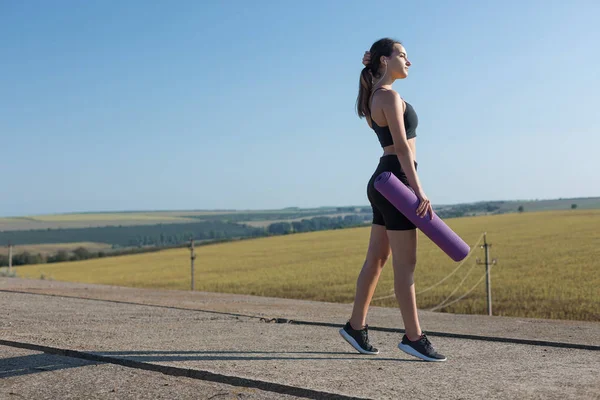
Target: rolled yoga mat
405 200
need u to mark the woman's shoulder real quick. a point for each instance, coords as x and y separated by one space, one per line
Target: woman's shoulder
388 94
390 97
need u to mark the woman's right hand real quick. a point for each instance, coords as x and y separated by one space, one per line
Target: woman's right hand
366 58
424 205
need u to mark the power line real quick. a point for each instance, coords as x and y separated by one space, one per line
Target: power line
192 258
488 288
456 288
10 256
456 269
441 281
464 295
487 264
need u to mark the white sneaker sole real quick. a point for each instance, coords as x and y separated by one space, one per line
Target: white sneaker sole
354 344
409 350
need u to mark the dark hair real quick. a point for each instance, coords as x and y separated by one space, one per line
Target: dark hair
382 47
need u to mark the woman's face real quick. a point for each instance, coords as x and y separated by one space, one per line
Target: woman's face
397 63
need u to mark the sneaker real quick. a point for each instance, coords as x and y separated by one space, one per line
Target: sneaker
421 348
359 339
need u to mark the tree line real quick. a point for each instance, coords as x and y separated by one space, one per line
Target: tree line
137 235
290 213
317 224
80 253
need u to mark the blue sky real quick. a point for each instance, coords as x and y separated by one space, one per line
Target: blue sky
141 105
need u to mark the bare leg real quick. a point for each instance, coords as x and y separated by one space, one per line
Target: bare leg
377 255
404 260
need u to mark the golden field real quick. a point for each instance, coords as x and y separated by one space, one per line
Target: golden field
548 267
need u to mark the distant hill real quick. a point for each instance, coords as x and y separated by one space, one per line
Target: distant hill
582 203
510 206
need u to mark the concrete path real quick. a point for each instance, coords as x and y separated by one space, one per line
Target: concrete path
66 340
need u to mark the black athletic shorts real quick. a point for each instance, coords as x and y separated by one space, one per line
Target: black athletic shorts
384 212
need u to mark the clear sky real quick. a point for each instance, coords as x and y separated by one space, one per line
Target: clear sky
140 105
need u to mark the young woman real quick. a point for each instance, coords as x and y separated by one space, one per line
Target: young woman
395 122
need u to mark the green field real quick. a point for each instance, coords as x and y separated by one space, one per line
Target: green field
548 267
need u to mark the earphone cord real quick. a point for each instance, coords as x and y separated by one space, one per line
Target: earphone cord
382 76
373 89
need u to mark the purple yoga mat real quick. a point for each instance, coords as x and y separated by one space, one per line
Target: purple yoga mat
405 200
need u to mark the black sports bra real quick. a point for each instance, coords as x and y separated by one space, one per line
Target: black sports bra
410 123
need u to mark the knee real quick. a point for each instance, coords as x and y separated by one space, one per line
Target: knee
404 275
405 267
378 260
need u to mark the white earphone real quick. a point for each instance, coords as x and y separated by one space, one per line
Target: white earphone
385 64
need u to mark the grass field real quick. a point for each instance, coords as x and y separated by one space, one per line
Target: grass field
548 267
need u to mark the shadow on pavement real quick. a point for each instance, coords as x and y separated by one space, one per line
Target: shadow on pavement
37 363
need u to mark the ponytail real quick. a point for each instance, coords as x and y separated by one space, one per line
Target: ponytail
364 93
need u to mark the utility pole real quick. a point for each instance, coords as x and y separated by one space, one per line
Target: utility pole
192 257
9 258
486 246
